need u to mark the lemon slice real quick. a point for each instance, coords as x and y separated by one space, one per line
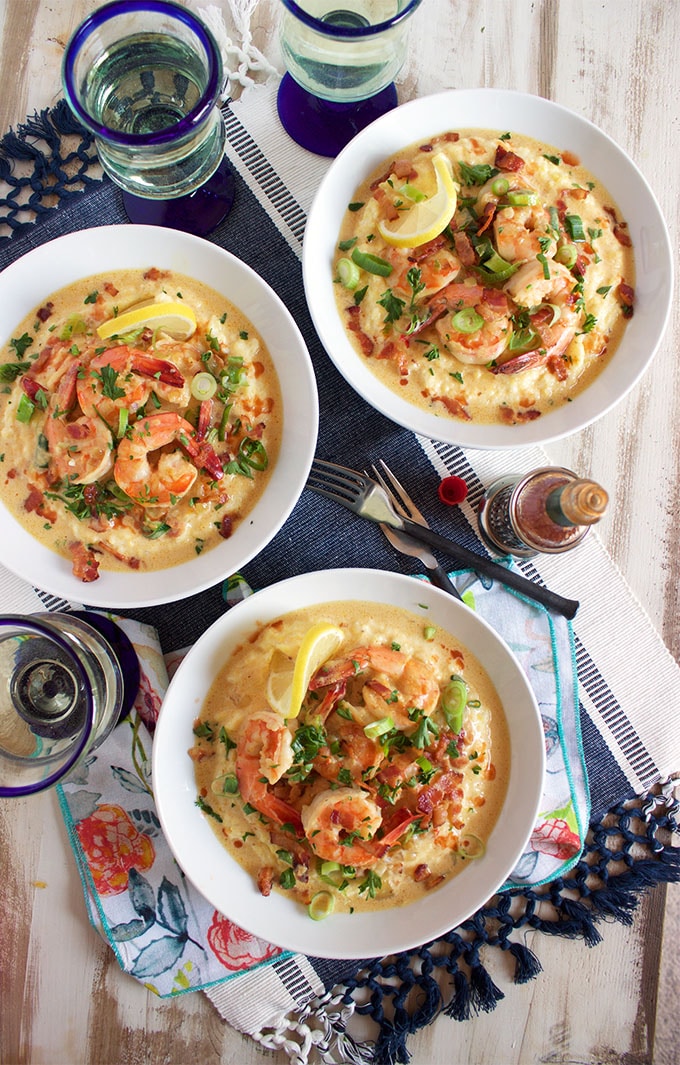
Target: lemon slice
174 318
426 219
288 680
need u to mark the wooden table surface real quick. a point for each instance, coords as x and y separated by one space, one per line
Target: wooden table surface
63 998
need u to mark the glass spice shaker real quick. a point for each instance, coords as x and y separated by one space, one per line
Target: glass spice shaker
547 511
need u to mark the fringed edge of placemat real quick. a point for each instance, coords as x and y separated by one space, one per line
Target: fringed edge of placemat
628 852
44 160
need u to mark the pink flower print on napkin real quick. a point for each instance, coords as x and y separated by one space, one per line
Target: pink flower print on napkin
113 847
556 838
234 947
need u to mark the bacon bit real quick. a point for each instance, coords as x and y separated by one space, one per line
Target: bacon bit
557 366
627 295
265 880
45 312
488 214
85 563
621 233
464 248
154 274
403 168
421 872
354 326
496 300
443 788
258 369
458 294
425 250
226 526
35 503
508 161
454 406
396 353
197 754
570 158
451 137
528 416
110 288
578 194
31 387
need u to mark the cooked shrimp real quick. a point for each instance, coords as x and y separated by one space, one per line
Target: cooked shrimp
475 332
349 750
173 474
81 450
553 316
109 384
397 683
264 753
340 824
522 233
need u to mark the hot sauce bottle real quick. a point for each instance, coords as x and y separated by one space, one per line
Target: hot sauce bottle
548 511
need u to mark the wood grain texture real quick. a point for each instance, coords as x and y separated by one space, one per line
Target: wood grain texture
64 1001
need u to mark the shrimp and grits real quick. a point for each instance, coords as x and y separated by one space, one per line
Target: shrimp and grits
369 782
484 276
140 420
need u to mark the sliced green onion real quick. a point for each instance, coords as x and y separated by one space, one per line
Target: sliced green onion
329 867
123 419
556 312
253 453
429 632
412 193
522 197
287 879
25 409
378 728
471 846
321 906
500 186
523 340
349 273
467 320
222 428
203 386
567 254
574 224
373 264
454 699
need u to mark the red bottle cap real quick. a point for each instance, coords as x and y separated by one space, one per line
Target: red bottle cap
452 490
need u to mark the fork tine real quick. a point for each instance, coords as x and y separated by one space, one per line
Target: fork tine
396 501
335 482
408 507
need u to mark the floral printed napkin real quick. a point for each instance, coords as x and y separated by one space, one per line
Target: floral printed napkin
162 931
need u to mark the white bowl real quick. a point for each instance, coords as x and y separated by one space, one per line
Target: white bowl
553 125
280 920
31 279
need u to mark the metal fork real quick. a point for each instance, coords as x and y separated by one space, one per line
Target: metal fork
365 497
404 505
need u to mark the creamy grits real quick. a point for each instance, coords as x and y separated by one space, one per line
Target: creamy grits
515 305
143 447
388 782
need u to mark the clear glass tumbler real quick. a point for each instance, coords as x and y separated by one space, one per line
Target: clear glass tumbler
341 60
65 682
144 76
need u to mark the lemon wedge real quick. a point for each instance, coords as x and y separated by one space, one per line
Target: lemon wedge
174 318
289 679
426 219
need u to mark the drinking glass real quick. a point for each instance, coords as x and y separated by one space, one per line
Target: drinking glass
65 682
341 57
144 76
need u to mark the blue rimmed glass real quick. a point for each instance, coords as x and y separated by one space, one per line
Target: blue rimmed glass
65 682
144 76
341 58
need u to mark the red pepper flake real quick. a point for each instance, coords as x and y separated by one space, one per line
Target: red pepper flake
452 491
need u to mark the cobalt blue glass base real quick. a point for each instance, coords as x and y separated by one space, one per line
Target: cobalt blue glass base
122 649
325 127
199 212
